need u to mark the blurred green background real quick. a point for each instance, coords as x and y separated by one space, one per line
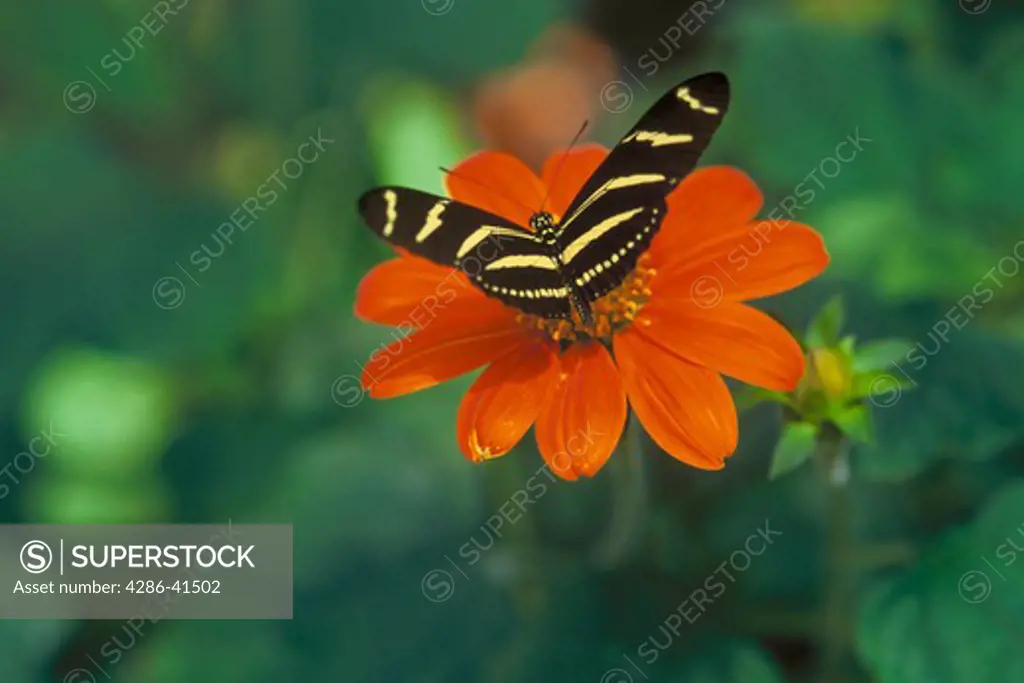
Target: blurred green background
185 377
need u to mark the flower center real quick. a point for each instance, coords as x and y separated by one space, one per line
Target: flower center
612 312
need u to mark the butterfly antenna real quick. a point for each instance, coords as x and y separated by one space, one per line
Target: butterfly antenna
558 169
448 171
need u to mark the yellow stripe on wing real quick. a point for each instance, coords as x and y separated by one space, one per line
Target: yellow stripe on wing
523 261
482 233
391 210
433 221
581 242
614 184
656 138
684 95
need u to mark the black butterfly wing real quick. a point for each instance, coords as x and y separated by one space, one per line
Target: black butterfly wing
503 259
613 219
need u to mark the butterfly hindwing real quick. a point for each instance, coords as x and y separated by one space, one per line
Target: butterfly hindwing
504 260
613 218
598 260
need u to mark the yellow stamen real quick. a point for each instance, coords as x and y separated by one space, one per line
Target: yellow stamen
614 311
480 453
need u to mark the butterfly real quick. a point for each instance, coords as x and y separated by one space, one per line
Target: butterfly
564 265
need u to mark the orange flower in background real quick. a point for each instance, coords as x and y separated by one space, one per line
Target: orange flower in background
659 344
533 107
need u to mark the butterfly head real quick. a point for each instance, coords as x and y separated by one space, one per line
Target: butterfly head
544 225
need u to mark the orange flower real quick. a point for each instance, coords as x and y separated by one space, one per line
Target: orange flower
660 343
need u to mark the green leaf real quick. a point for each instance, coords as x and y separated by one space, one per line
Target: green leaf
794 447
824 329
848 346
856 422
958 613
880 355
967 406
748 397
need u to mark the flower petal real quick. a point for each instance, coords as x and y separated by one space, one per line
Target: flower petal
499 183
710 201
393 291
686 409
503 402
565 173
731 338
582 419
471 332
755 261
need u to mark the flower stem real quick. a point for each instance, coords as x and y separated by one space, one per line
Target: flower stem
831 451
629 499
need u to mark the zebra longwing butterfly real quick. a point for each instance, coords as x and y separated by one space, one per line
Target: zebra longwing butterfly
567 264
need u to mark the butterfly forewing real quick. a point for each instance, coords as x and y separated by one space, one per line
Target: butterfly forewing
620 208
503 259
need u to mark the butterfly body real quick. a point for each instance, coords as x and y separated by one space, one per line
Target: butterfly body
546 231
557 266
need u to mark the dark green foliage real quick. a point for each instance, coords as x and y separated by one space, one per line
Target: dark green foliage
222 394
